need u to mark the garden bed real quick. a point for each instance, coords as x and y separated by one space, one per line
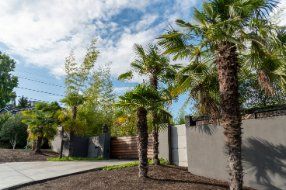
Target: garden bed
23 155
160 177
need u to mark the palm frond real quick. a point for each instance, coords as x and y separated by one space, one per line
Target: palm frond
126 76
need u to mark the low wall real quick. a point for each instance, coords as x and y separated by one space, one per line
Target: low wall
165 144
264 152
172 145
179 145
92 147
99 146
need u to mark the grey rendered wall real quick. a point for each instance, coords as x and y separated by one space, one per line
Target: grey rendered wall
56 144
164 144
172 145
179 145
264 152
99 146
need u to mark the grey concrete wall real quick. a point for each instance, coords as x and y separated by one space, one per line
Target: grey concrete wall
172 145
99 146
179 145
84 146
56 144
164 144
264 152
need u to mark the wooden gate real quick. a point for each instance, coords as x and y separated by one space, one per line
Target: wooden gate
126 147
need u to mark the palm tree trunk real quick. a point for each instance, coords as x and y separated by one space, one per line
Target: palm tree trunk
227 65
155 133
38 145
71 146
62 143
156 161
142 141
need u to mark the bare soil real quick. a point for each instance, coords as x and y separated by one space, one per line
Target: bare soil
23 155
160 177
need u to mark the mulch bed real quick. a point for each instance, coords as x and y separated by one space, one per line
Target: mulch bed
22 155
160 177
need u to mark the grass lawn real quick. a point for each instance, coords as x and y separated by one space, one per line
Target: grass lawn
23 155
123 178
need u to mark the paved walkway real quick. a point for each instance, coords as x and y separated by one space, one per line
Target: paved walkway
17 173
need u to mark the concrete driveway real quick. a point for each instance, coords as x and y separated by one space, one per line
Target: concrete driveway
14 174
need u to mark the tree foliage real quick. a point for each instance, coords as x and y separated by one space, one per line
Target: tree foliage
232 34
7 81
76 82
14 131
42 120
98 109
23 102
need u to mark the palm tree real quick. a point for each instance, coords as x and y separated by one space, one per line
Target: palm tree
42 122
73 100
151 63
142 99
200 80
234 33
23 102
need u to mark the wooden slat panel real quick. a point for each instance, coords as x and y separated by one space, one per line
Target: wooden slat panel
126 147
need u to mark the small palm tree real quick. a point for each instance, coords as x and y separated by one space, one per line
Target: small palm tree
42 122
73 101
157 67
200 79
234 33
142 99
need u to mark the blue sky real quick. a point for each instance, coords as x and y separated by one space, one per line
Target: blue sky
40 34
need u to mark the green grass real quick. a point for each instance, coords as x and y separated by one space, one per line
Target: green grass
131 164
121 166
73 159
107 168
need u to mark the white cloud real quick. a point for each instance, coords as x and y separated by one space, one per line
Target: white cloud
44 32
279 15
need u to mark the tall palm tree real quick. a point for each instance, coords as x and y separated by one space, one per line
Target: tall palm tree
142 99
157 67
231 31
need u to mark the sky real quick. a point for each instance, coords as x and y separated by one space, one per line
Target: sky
40 34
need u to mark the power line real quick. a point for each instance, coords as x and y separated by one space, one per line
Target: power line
33 99
40 91
29 73
42 82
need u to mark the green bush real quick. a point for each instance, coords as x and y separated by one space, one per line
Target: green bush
14 131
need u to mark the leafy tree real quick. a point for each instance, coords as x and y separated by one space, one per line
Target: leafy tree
75 81
42 122
234 33
142 99
151 63
125 122
3 118
98 109
7 81
23 102
254 97
14 131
